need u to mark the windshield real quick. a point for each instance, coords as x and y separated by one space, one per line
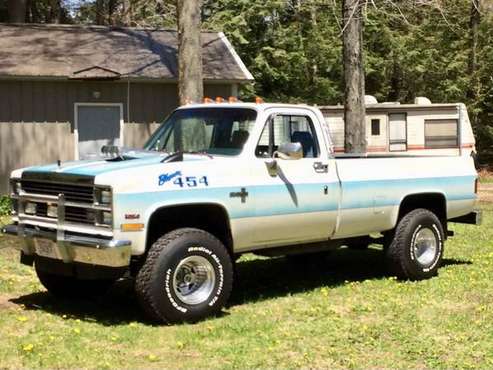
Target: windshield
221 131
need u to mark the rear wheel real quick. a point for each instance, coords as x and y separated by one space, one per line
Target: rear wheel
416 249
70 287
187 276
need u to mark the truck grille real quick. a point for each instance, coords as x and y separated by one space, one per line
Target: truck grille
72 214
73 193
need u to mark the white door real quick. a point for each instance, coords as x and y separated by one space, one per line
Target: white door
300 202
397 132
97 125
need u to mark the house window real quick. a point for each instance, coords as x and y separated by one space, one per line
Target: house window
375 127
441 133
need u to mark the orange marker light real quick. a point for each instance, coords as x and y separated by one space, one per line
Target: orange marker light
219 99
259 100
232 99
208 100
132 227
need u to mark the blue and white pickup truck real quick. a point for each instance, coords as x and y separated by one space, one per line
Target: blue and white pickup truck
219 180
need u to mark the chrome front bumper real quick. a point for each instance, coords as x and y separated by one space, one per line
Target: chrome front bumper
73 248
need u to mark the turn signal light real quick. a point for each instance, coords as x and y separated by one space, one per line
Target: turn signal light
132 227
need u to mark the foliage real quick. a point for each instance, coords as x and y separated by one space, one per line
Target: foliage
5 205
342 312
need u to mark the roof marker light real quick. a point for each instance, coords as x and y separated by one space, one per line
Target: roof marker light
208 100
259 100
219 99
232 99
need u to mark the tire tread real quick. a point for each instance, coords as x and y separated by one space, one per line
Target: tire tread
145 276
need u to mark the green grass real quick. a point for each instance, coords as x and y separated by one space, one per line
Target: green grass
340 312
485 176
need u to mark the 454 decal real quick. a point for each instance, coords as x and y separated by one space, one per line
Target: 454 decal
183 181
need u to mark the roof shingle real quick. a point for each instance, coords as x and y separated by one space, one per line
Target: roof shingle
62 50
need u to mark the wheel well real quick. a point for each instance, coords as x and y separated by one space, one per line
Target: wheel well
212 218
434 202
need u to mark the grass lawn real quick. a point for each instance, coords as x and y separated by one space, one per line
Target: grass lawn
486 177
339 312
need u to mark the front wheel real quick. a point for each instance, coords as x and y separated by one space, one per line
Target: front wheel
416 249
187 276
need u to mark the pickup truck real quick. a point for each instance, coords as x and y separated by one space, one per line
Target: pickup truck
221 179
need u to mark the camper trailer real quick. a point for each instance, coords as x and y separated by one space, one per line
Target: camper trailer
421 128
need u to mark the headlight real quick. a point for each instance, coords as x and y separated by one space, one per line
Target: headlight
103 196
105 218
15 186
30 208
106 197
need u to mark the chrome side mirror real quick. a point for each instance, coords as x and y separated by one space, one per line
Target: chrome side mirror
290 151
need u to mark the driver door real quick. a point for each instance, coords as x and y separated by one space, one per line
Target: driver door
298 203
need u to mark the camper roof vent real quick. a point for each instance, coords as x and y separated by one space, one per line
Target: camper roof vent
370 99
421 100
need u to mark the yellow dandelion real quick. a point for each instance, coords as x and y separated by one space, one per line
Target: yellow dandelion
28 347
152 357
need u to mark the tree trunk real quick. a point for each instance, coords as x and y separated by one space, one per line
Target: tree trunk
17 11
190 84
100 12
127 13
55 11
474 20
354 78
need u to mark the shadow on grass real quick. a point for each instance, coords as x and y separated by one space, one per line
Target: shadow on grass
257 279
118 307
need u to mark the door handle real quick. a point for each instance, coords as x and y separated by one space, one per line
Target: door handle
320 167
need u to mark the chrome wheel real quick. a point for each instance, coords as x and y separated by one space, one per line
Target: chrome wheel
425 247
193 280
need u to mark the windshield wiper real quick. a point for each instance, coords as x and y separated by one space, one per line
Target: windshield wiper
199 152
178 155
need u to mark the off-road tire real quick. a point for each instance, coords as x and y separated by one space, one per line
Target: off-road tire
154 284
401 260
70 287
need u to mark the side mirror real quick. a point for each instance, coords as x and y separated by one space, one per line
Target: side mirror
290 151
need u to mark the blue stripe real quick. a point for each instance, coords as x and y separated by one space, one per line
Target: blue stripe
268 200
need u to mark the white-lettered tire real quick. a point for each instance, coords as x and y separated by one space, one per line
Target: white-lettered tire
187 276
416 250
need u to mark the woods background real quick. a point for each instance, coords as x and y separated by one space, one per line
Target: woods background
441 49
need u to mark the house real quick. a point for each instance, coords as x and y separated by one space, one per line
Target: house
65 89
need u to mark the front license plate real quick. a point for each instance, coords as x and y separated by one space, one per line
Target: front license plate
45 248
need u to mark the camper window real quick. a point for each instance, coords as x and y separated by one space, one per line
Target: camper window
375 127
441 133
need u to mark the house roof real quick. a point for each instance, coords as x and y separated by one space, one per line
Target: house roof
92 52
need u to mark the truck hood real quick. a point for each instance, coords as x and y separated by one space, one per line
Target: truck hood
90 169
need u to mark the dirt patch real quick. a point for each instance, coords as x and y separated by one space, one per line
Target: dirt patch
486 193
5 303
